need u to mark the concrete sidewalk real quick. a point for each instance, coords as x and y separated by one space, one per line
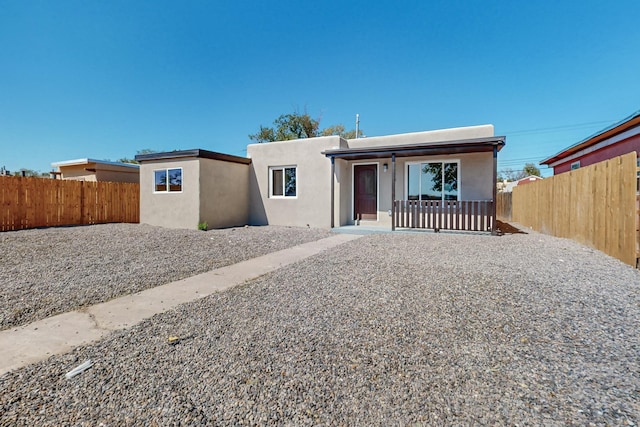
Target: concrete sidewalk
58 334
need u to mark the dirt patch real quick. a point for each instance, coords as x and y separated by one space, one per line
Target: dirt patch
506 228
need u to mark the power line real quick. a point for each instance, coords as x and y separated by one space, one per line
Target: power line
557 128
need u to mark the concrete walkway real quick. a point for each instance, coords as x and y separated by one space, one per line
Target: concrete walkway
59 334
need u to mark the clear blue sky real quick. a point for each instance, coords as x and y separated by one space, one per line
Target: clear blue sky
104 79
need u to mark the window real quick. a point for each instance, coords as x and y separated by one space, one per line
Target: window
282 181
432 181
575 165
171 176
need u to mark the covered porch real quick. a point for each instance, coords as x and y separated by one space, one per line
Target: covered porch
444 185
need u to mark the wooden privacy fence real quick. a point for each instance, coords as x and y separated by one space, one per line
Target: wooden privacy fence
503 206
471 215
594 205
38 202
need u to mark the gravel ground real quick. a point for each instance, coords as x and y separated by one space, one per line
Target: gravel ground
50 271
393 329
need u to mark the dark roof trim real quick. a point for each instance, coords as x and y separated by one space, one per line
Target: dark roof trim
608 132
204 154
475 145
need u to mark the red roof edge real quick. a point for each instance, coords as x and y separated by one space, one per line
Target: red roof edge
627 123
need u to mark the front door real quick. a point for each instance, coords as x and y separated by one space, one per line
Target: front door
365 192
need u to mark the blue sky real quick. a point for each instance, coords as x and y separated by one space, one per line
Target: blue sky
104 79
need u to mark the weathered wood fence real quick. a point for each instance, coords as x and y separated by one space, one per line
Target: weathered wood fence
472 215
503 206
594 205
39 202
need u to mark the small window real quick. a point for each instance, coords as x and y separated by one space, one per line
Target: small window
167 180
282 181
575 165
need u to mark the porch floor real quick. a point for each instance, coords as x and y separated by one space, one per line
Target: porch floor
372 229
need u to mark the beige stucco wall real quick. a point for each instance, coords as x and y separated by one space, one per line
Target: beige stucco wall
476 170
112 173
116 174
172 209
224 193
343 193
312 205
384 191
452 134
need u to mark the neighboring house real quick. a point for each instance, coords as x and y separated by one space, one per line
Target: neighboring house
328 181
96 170
616 140
508 187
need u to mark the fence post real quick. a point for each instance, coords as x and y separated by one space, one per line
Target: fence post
82 213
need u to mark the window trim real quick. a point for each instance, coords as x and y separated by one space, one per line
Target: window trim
435 160
168 190
574 165
282 168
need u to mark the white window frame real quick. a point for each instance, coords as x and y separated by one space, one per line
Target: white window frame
168 191
282 168
575 165
436 160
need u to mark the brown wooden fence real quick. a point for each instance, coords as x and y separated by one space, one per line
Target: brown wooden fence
38 202
594 205
503 206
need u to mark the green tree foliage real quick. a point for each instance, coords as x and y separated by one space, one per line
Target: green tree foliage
139 152
126 160
340 130
298 126
530 169
288 126
509 174
435 171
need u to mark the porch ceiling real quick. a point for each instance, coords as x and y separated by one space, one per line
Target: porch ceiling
475 145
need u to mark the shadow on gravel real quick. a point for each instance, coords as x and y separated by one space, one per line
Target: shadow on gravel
506 228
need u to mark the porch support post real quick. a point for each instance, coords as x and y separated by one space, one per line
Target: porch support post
333 178
393 191
494 230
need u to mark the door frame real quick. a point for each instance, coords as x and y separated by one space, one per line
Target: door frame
353 190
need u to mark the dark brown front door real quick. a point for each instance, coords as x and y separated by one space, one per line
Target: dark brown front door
365 192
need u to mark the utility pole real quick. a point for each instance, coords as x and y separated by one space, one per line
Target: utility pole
357 125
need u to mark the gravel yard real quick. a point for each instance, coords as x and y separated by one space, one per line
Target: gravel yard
50 271
390 329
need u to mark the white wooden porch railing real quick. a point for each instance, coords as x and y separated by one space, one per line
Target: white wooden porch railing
470 215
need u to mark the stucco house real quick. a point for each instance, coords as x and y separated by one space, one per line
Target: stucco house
96 170
616 140
441 179
181 189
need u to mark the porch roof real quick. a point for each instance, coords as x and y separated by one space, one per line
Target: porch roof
475 145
